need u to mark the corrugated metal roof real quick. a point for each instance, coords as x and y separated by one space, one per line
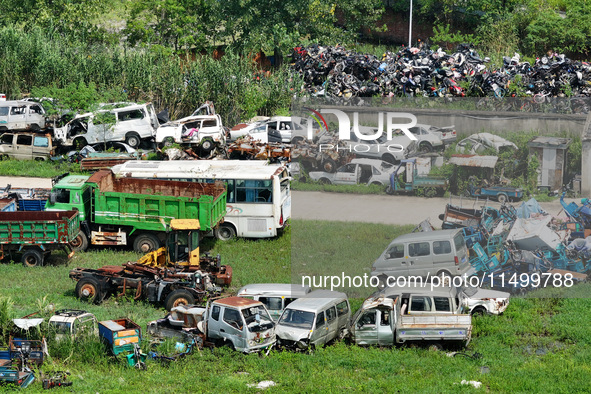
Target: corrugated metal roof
474 161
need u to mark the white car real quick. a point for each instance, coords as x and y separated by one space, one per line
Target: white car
207 131
285 125
392 151
483 301
358 171
431 137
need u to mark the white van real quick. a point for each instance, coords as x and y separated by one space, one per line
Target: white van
125 122
21 115
314 320
425 254
275 296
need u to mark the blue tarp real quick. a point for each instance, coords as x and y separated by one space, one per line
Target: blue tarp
528 207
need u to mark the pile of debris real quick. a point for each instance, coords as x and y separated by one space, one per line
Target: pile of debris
515 248
337 72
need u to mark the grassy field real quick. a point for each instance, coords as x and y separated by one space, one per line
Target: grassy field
539 344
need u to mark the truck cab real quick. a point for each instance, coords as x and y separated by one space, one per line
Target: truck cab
241 323
73 323
71 193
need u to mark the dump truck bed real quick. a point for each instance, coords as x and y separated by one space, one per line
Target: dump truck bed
150 204
38 227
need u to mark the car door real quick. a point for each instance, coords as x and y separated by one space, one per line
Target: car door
333 324
385 326
420 260
23 150
274 306
17 117
366 332
347 174
41 146
395 261
318 336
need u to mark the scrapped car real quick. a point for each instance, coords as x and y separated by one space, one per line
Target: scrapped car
21 115
125 122
275 296
285 127
358 171
390 150
26 146
314 320
73 323
481 142
204 131
430 138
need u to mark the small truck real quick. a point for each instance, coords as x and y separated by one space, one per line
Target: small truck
501 194
382 321
123 337
240 323
36 234
428 185
175 274
122 211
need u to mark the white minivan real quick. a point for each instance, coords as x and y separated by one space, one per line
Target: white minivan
424 254
314 320
124 122
275 296
21 115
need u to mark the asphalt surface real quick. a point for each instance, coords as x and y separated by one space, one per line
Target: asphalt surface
365 208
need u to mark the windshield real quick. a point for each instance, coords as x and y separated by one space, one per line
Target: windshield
257 319
295 318
61 327
468 290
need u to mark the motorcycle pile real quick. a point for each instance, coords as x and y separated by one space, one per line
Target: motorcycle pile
339 73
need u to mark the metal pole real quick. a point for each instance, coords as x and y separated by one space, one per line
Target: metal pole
410 26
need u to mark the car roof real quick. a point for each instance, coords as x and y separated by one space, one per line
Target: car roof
317 299
418 288
238 302
427 235
274 288
373 162
17 102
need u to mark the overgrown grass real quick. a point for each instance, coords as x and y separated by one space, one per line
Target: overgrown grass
539 344
41 169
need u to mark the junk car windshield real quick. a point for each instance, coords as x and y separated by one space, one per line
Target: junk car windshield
295 318
263 322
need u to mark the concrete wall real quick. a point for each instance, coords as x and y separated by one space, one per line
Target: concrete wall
586 159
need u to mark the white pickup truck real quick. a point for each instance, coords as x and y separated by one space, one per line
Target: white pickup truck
383 321
240 323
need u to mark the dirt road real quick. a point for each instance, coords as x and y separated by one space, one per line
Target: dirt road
382 209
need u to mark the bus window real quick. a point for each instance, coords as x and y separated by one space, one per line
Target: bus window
257 191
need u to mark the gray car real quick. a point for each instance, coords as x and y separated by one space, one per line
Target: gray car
358 171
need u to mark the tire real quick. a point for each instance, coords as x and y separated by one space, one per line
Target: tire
329 165
178 297
225 232
80 243
478 311
207 145
435 347
502 198
324 181
87 289
133 140
146 243
445 276
168 142
79 143
32 258
297 140
425 147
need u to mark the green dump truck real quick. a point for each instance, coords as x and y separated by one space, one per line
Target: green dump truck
131 211
36 234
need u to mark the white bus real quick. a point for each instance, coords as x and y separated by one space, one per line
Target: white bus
259 197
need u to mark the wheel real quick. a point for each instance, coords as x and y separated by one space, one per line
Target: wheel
145 243
133 140
80 243
207 145
168 142
425 147
178 297
376 183
225 232
502 198
445 277
4 157
329 165
80 143
324 181
436 347
87 289
478 311
32 258
297 140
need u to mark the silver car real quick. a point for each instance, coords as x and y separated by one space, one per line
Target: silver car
358 171
389 150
